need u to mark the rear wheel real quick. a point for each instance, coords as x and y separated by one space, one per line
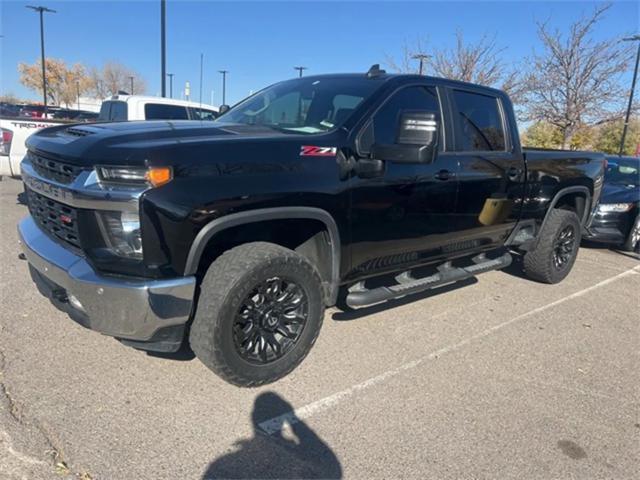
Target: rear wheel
259 313
557 248
632 244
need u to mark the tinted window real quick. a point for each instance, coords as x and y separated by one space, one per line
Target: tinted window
478 122
158 111
386 120
113 112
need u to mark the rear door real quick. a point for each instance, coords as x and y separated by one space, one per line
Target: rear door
491 168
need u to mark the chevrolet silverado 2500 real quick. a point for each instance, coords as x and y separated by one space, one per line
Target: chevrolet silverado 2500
349 189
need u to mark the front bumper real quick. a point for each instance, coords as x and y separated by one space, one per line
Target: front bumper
610 227
148 314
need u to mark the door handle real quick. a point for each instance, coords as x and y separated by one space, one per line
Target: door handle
514 173
444 175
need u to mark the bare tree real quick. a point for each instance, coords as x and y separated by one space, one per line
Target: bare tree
114 77
575 81
405 63
478 62
97 83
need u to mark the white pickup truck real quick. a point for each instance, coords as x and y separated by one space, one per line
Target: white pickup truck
15 130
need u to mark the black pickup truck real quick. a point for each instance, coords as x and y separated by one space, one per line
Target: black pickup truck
343 190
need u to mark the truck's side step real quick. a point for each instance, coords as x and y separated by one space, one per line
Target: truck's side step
359 296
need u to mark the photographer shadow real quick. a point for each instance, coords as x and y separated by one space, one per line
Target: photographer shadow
270 455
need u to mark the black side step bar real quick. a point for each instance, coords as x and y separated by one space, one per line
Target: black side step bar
359 296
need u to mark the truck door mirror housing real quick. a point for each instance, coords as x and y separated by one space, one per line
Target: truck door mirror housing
223 109
416 141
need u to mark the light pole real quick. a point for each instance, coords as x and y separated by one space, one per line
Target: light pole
224 85
422 57
41 10
163 46
78 91
131 79
300 70
201 63
170 75
635 38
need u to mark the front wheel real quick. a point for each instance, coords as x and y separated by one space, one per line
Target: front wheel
259 313
555 253
632 244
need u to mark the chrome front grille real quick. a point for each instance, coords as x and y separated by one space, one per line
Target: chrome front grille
55 218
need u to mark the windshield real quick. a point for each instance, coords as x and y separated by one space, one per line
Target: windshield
623 171
305 106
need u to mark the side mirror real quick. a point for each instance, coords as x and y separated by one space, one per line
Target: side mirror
223 109
416 142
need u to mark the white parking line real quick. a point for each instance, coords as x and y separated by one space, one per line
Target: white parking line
600 264
276 424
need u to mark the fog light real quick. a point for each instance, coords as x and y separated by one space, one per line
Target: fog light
122 233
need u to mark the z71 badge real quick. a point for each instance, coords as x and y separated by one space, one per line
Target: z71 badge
312 151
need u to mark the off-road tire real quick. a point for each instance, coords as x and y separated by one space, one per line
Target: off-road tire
229 279
632 244
539 262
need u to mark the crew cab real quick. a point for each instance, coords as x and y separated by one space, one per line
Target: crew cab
16 129
347 190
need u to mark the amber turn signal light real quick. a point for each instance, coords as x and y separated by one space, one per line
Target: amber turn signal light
158 176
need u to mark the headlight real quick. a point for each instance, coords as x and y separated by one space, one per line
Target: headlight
153 176
121 231
614 207
122 175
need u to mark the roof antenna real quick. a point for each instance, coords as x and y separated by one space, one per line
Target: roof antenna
375 71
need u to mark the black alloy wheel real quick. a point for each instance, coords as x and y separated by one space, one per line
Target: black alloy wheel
556 250
270 320
259 312
563 247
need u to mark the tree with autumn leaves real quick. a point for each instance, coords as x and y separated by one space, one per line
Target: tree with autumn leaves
65 83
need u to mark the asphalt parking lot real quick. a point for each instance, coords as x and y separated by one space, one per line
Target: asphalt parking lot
497 378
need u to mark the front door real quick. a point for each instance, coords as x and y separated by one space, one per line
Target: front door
403 216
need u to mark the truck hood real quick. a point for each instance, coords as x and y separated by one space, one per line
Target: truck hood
154 142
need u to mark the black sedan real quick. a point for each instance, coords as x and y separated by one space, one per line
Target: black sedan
617 220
